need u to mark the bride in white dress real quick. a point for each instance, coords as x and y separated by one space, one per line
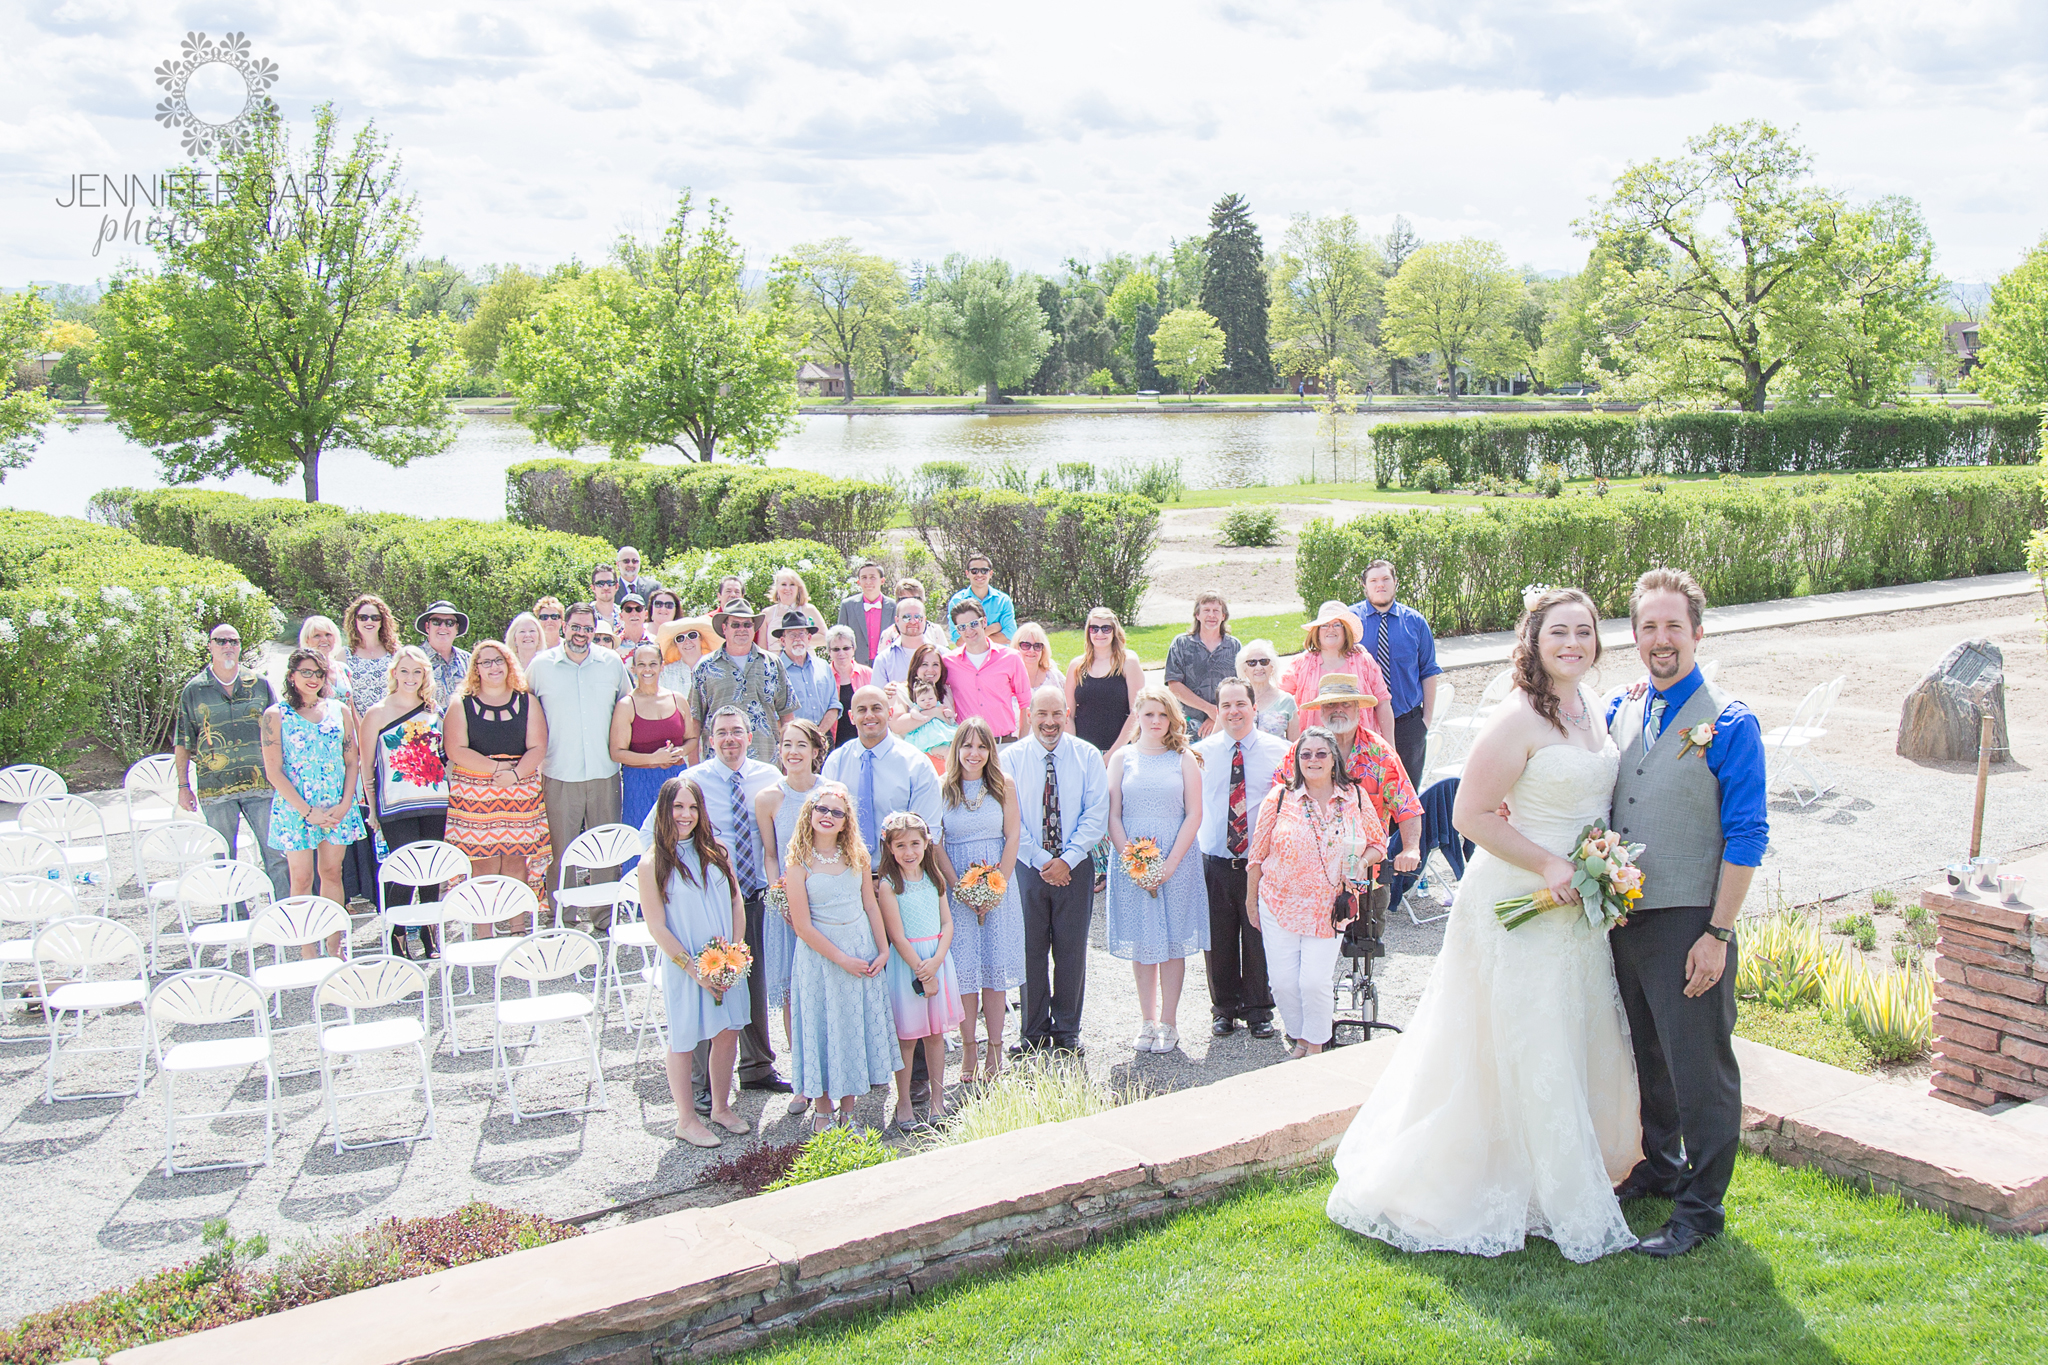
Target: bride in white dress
1509 1107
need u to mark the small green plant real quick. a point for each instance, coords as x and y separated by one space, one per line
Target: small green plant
1159 480
1884 898
1029 1094
1251 526
1102 381
1434 476
1600 488
1550 481
1782 962
1492 486
937 476
1905 954
224 1254
1008 472
1860 928
1076 476
1654 483
1921 929
832 1152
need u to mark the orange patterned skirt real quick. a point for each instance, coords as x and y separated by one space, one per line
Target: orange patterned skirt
486 820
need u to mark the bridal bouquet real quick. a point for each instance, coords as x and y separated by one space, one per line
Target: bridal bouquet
1142 864
981 889
1605 875
776 898
721 966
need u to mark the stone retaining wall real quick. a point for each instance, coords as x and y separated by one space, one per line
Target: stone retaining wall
1991 992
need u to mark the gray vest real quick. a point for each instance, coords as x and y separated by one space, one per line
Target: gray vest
1671 806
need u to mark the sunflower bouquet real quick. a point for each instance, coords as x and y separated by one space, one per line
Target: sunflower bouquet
776 898
1143 863
721 965
1604 873
981 889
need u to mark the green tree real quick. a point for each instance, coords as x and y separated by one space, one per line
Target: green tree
986 319
845 298
1453 298
2013 338
1397 244
510 298
660 348
1326 298
1187 346
1234 293
434 285
24 319
1740 295
275 330
1880 312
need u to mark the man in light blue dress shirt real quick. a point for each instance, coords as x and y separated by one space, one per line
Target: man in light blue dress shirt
813 691
578 685
1055 867
884 772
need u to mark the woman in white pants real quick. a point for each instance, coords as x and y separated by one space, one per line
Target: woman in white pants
1316 839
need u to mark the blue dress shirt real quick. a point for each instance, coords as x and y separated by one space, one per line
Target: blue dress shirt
1411 649
904 780
1083 784
1735 756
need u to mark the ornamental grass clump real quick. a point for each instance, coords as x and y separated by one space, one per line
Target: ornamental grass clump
1028 1094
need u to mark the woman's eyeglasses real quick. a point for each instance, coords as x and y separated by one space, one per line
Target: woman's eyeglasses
1030 646
369 618
1094 629
550 616
829 812
1255 663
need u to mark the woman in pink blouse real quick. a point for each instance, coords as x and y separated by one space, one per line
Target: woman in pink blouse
1311 857
1330 644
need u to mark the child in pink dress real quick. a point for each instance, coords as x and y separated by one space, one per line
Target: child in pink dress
924 991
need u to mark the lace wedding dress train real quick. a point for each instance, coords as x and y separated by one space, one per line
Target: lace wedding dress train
1509 1107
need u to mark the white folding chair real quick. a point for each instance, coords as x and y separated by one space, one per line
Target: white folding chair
221 886
184 844
428 862
477 902
371 983
603 847
74 824
206 998
27 902
32 855
1453 735
1785 747
295 922
633 933
80 945
150 792
547 956
22 783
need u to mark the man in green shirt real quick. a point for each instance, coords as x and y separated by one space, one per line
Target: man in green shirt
217 756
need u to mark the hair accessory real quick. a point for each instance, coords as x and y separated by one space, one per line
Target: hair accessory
1531 592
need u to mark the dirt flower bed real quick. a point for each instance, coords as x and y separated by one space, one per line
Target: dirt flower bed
225 1285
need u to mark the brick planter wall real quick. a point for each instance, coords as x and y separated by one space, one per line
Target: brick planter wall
1991 991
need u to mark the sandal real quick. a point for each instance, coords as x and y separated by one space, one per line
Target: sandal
821 1123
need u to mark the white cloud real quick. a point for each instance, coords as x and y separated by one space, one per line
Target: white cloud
534 131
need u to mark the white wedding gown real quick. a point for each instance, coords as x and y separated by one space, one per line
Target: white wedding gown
1509 1107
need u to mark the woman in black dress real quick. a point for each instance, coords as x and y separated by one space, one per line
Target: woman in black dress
1103 683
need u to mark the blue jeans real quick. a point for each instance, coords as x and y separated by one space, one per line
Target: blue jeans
226 813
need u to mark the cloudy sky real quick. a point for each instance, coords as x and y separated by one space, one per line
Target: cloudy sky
1049 129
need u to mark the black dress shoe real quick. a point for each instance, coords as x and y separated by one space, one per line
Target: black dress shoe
1223 1028
768 1082
1262 1030
1673 1239
702 1104
1633 1188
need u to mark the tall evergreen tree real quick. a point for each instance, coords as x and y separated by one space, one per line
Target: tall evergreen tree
1234 293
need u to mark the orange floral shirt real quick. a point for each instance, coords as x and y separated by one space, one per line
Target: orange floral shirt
1298 875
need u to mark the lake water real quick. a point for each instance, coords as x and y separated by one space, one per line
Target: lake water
1216 450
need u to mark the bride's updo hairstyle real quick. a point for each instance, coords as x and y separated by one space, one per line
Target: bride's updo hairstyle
1527 659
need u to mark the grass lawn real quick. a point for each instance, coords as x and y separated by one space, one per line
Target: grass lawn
1283 630
1809 1271
1803 1031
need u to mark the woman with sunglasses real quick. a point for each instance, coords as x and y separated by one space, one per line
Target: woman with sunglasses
682 644
309 755
1035 650
1259 665
850 674
845 1042
1103 684
663 606
372 640
549 611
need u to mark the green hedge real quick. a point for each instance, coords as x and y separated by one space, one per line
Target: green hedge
694 575
667 509
1058 555
99 631
315 558
1788 440
1746 541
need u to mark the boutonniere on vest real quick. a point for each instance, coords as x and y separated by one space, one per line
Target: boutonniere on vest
1698 737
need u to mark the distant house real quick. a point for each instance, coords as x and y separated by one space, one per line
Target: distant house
34 372
1961 339
821 381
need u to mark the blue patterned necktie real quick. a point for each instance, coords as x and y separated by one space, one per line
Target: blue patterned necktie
746 858
1653 720
870 830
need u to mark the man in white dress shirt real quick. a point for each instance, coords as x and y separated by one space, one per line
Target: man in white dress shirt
1238 763
1063 802
884 772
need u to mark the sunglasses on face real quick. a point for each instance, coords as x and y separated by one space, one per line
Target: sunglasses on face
551 616
829 812
633 609
1101 630
1026 645
219 640
980 570
370 617
605 583
664 602
441 621
689 635
1257 663
840 649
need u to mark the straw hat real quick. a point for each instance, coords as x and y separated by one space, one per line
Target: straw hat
1331 612
671 631
1337 687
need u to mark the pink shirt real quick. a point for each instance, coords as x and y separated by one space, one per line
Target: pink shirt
997 691
874 624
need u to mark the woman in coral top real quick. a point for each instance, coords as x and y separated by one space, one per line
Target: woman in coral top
1330 644
1311 853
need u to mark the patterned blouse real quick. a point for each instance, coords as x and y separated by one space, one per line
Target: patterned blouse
1299 872
412 765
368 679
1377 768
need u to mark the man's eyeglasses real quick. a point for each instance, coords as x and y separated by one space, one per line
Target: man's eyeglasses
443 621
633 608
980 570
550 616
604 582
225 640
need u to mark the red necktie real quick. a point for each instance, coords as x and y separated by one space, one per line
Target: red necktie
1236 839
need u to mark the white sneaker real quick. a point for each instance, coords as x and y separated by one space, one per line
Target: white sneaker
1148 1037
1165 1038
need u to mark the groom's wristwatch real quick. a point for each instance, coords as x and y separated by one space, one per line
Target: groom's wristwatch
1722 934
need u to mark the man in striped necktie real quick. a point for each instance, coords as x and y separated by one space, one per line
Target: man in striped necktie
1238 763
1401 643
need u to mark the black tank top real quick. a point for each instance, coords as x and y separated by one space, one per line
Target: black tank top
1101 706
497 731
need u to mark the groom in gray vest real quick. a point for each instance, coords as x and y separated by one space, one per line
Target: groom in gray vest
1691 791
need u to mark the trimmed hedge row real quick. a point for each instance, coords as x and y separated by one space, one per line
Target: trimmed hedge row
98 632
667 509
1743 541
1057 554
1789 440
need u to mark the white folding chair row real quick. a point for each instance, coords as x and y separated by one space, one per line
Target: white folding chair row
150 792
479 903
184 844
28 903
219 887
206 998
1788 747
83 946
632 934
1451 737
604 847
299 922
21 783
74 825
367 985
424 863
550 955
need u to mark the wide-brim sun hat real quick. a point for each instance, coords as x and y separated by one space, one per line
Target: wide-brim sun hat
442 608
672 631
1327 614
737 609
1336 687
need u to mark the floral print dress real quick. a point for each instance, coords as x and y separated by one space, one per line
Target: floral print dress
313 765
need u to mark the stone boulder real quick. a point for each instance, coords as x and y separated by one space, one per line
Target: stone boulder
1943 714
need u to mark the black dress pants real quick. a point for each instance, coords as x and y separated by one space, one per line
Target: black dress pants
1411 744
1236 959
1685 1063
1056 920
